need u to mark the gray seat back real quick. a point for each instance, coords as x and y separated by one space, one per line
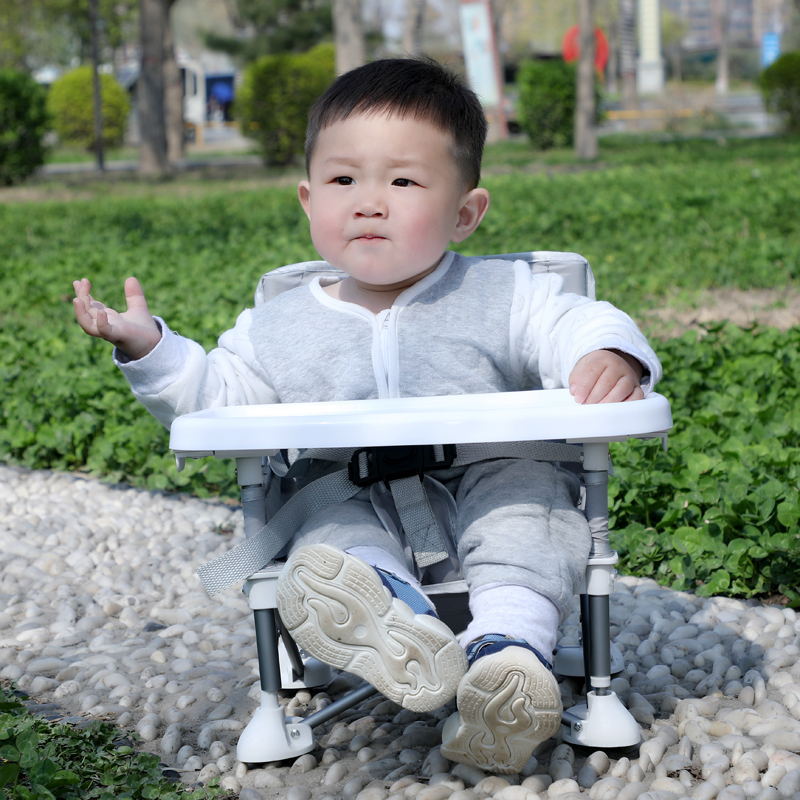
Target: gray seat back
573 268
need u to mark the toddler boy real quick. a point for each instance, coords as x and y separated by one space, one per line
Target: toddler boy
393 153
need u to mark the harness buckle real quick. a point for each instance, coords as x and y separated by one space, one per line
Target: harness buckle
369 465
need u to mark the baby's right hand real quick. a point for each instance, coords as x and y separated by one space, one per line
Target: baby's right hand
134 331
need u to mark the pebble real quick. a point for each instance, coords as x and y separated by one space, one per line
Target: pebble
127 633
250 794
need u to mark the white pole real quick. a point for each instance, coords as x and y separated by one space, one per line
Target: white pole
650 72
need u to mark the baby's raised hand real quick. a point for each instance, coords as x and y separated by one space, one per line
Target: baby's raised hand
606 376
133 331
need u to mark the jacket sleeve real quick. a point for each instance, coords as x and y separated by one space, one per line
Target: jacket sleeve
178 376
552 330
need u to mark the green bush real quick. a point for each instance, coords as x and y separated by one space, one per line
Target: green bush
23 124
71 103
547 100
780 86
276 93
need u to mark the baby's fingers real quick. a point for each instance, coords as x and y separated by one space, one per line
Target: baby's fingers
624 389
104 330
83 314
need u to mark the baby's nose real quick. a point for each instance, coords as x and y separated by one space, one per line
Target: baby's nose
371 205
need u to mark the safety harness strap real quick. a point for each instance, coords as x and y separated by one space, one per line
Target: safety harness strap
418 521
403 476
255 551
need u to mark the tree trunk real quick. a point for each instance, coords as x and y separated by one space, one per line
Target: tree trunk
612 70
723 54
585 132
97 88
150 89
173 94
348 33
413 26
627 52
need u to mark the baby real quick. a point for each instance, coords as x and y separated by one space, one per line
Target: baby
393 155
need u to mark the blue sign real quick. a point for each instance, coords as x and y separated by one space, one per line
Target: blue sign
770 48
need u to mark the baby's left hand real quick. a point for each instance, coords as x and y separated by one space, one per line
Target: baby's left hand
606 376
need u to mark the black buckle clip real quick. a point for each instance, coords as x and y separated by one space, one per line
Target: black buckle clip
389 463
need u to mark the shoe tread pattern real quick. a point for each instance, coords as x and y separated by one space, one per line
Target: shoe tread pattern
508 703
338 610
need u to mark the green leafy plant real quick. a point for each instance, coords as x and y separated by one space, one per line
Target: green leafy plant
71 105
547 100
718 512
780 87
276 93
662 219
23 124
41 760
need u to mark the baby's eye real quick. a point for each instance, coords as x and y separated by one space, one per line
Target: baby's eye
343 180
403 182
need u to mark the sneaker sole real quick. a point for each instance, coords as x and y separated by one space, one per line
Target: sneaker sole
508 703
338 610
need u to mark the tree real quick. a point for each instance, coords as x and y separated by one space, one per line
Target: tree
413 26
153 19
585 112
36 33
97 89
723 54
673 29
348 35
173 94
627 51
13 44
70 103
273 26
24 121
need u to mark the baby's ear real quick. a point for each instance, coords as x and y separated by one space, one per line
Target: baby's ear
474 206
304 196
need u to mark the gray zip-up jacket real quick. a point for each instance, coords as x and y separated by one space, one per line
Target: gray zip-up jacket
467 327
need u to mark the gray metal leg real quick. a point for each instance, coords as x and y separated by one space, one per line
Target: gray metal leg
342 704
269 670
602 721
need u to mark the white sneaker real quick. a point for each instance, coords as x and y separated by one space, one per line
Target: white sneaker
346 613
508 703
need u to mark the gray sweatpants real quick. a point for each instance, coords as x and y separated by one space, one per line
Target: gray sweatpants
515 522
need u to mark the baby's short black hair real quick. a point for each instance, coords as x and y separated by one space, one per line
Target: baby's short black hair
408 87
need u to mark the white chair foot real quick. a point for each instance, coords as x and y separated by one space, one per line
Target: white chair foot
271 736
601 723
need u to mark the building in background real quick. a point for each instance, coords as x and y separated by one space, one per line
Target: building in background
748 21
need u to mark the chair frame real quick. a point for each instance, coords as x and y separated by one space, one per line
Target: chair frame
249 434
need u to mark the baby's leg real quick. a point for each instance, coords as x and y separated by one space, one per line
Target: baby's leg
523 546
348 598
519 526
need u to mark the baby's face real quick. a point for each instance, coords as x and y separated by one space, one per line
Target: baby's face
384 198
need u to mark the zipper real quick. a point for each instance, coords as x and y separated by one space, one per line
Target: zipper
383 368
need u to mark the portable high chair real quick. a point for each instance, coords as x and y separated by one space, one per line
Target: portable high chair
543 424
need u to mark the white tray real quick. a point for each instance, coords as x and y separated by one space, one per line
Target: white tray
241 431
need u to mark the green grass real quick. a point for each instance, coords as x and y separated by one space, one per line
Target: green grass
75 155
660 221
79 155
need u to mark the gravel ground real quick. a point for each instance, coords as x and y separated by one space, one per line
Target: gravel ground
101 614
